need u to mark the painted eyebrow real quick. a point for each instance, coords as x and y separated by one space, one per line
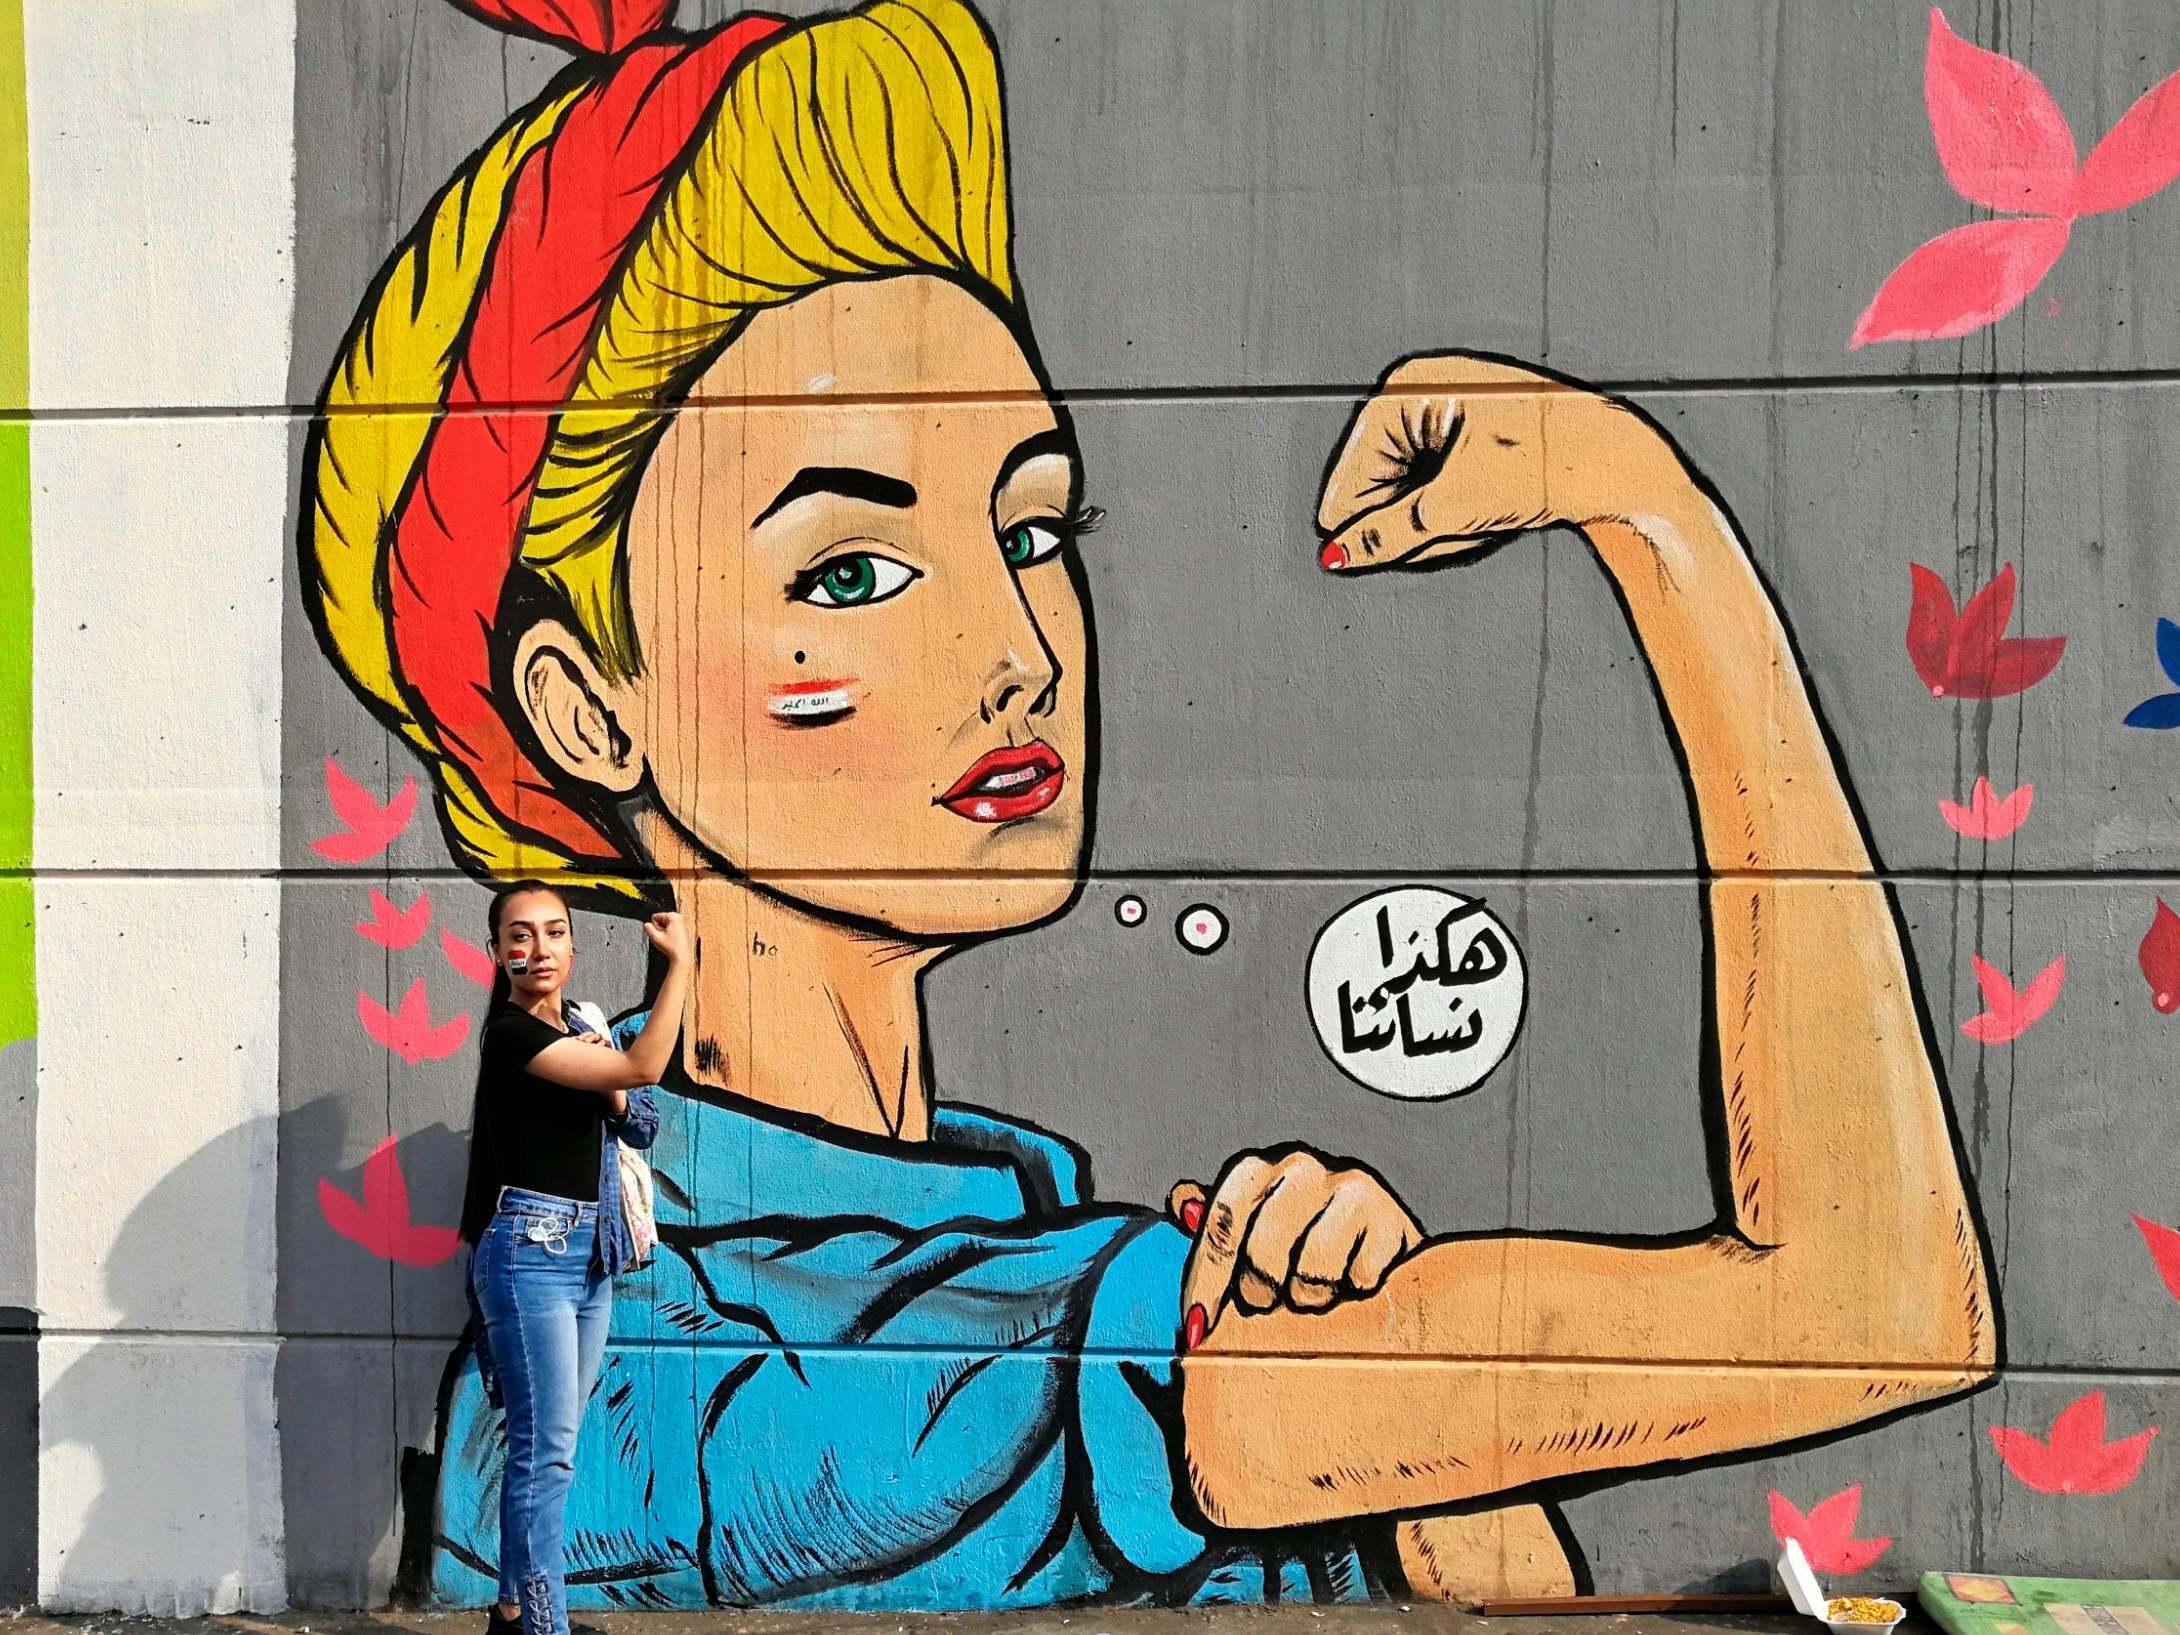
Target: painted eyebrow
850 482
1056 441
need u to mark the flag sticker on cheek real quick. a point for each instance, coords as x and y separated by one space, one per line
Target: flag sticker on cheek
812 703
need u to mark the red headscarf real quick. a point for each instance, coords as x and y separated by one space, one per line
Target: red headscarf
574 212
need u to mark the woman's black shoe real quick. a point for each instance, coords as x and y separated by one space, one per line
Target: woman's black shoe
494 1624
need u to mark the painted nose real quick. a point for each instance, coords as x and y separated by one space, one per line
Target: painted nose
1027 676
1022 683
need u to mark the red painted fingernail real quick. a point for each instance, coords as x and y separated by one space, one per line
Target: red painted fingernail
1333 557
1192 1331
1192 1215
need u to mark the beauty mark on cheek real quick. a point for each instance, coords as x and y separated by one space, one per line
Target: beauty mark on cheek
812 703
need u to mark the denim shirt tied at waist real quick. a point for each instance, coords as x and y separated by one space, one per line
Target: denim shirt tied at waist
615 1250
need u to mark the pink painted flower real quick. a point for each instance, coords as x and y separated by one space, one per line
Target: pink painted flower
1988 816
2004 144
2009 1012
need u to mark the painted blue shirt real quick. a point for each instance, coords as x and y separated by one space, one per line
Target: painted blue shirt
867 1374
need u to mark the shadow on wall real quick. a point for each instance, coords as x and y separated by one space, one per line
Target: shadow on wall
18 1457
180 1384
356 1385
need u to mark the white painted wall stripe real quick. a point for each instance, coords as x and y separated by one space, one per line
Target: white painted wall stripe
162 226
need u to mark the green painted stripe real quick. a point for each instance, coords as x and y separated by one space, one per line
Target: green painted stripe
18 970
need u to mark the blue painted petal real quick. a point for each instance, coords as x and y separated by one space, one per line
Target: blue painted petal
2168 649
2159 712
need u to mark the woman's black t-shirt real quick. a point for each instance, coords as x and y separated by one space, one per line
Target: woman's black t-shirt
530 1132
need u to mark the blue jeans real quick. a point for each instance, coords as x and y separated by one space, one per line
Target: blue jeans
546 1310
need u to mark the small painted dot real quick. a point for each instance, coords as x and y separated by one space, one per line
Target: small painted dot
1129 911
1201 929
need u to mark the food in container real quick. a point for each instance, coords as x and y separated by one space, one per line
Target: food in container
1842 1614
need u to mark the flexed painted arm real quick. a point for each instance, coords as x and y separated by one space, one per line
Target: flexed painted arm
1846 1278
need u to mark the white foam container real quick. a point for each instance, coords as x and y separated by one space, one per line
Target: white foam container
1810 1600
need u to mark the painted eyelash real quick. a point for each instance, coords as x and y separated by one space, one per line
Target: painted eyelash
807 580
1071 525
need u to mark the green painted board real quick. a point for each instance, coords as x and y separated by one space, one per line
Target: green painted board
1986 1604
18 980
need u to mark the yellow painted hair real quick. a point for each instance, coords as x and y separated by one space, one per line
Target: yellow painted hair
857 146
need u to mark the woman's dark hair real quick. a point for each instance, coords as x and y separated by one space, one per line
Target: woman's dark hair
481 1196
502 989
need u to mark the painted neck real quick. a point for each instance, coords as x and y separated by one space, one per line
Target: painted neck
798 1012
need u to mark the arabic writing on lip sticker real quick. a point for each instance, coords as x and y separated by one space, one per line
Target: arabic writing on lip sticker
1417 993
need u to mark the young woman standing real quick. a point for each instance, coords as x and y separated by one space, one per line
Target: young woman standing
543 1212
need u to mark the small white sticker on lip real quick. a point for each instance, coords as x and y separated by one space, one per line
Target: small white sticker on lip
802 706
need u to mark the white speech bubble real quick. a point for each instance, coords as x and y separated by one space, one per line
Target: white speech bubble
1417 993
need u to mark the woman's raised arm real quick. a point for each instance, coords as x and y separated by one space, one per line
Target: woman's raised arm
589 1063
1846 1278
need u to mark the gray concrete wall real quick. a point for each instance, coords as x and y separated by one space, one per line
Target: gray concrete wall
1230 217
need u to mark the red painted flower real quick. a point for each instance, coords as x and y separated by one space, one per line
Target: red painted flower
1967 654
2159 957
380 1222
1826 1534
2075 1458
2164 1246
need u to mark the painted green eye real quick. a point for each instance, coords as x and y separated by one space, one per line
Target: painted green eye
854 579
1028 542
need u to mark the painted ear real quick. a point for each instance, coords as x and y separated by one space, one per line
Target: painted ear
574 710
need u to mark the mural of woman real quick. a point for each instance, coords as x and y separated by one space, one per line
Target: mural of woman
737 569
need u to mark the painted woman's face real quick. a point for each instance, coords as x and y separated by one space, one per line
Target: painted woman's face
864 640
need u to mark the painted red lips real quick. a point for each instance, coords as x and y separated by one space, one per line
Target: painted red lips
1008 784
